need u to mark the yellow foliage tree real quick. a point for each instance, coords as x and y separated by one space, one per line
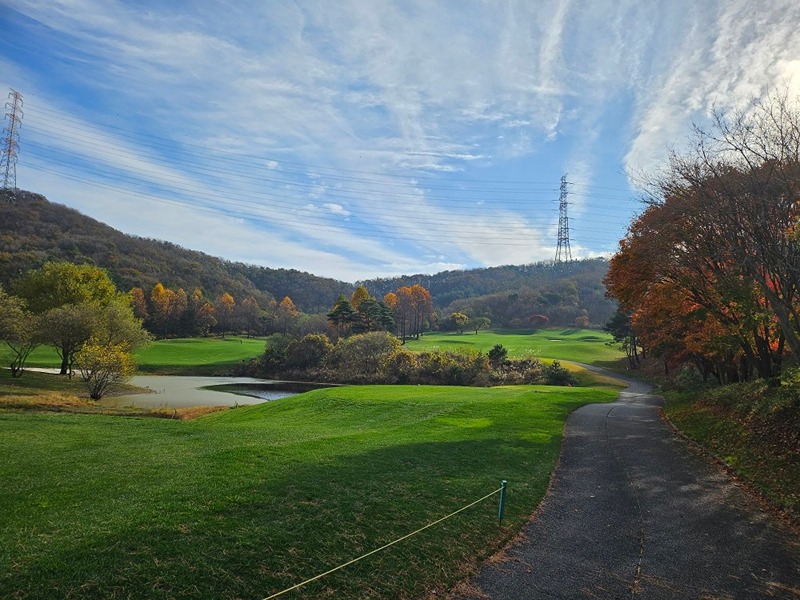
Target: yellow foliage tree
104 366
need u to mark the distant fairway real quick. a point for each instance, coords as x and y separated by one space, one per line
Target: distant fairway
178 356
205 356
197 354
580 345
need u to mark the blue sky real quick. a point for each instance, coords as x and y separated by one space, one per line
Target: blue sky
374 138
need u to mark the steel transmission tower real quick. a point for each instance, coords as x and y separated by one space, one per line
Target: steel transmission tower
10 140
563 252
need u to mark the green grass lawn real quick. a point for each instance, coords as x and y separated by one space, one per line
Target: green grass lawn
179 356
248 501
580 345
197 353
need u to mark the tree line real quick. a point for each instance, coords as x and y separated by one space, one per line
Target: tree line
168 312
709 273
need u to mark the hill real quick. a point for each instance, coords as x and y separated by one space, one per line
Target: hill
508 295
34 230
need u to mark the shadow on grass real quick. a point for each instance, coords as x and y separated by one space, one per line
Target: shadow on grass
255 534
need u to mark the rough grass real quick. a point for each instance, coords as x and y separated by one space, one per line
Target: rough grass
754 429
579 345
248 501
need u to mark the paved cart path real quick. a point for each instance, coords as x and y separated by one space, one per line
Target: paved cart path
634 513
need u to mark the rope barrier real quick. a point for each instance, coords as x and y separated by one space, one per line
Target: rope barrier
370 553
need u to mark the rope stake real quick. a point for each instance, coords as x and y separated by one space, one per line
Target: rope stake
501 509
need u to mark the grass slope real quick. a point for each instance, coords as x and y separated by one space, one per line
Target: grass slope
243 503
197 353
753 428
580 345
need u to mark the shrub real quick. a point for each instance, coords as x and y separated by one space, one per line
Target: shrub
274 353
401 367
555 374
104 367
307 352
497 355
453 368
359 357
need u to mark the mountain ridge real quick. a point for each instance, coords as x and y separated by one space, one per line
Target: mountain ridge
34 230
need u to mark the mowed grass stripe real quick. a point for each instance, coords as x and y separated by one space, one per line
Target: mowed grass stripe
243 503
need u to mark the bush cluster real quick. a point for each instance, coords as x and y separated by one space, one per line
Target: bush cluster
765 410
379 358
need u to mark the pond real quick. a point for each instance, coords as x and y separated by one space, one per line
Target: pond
185 391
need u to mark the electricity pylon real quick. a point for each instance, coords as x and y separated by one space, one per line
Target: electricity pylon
563 252
10 140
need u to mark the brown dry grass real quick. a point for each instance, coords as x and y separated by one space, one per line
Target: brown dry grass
62 402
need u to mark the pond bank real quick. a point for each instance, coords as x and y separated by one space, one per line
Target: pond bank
175 391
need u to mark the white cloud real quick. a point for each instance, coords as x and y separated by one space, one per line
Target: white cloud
728 54
352 132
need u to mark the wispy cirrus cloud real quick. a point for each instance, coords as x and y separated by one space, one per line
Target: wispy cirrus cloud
368 136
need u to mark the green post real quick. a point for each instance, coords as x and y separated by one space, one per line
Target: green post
502 508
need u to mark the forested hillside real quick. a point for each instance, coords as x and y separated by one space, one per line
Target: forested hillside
34 230
510 295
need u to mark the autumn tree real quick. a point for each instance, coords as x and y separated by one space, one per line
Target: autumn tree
139 303
225 313
159 308
104 366
538 321
413 308
167 306
205 318
359 295
249 315
287 314
459 321
198 318
717 232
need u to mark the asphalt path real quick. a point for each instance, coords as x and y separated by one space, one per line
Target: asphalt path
633 512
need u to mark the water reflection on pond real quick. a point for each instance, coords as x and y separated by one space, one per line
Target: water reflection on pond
180 391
